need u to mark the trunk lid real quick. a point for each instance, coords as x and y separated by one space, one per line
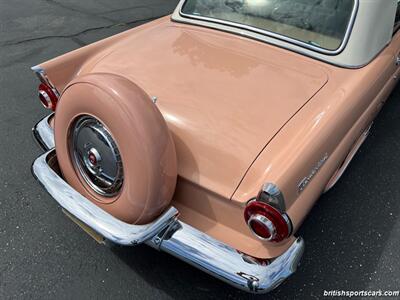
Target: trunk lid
223 96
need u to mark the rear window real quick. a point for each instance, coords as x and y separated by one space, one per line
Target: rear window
320 23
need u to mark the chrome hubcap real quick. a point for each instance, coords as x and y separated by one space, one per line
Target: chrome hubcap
92 160
96 156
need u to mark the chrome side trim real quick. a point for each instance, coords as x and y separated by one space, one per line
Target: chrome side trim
238 28
167 233
44 133
339 173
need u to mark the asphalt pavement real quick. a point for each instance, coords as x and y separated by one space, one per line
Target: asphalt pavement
352 234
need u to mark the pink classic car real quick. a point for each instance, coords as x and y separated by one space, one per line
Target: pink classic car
210 134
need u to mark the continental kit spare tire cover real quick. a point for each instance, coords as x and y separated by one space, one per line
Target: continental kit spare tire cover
114 147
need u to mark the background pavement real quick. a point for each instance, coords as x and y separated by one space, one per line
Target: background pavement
352 234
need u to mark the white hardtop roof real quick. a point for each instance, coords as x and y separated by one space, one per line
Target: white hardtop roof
369 32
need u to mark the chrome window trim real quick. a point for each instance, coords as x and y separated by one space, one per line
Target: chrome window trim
271 34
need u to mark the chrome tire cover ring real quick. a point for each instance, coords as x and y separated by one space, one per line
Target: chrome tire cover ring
96 156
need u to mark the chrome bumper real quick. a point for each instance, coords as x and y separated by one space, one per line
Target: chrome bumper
44 134
166 233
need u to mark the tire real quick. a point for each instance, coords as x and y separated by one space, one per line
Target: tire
141 135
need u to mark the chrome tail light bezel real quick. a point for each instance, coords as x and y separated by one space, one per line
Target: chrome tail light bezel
44 79
271 198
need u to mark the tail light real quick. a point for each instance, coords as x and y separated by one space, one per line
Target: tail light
266 222
47 97
47 92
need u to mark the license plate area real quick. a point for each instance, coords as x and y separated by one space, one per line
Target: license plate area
92 233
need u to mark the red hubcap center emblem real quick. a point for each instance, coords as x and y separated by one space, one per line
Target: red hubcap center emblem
92 159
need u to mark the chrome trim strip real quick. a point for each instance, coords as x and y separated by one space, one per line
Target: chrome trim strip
237 29
339 173
44 133
167 233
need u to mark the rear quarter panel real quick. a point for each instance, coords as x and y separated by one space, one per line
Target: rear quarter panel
328 126
63 69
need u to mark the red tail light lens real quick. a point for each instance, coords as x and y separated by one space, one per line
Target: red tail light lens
47 97
266 222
